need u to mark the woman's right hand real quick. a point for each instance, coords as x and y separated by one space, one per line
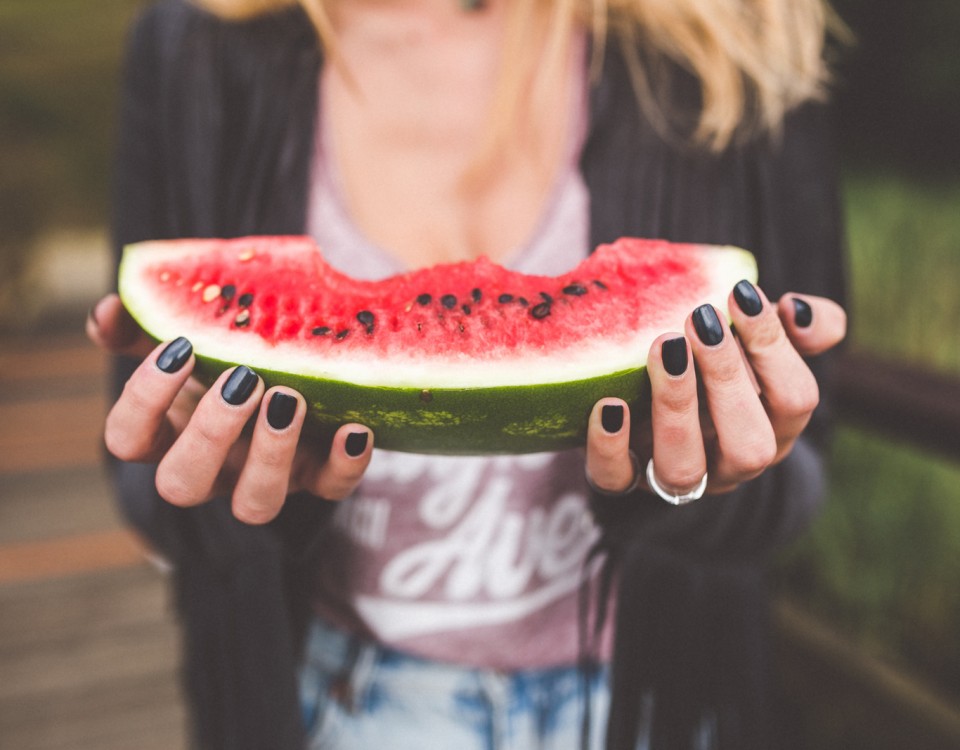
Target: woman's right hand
198 437
727 407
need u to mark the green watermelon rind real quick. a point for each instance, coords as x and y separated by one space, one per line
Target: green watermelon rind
458 421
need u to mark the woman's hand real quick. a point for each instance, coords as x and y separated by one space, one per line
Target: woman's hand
755 398
198 436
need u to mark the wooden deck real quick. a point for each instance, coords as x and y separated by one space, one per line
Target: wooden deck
88 646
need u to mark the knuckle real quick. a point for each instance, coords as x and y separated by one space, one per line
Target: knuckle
752 458
135 400
674 401
123 443
350 475
726 371
607 451
253 512
172 488
119 446
799 401
768 334
206 433
272 459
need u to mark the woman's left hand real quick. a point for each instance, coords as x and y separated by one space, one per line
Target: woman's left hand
759 395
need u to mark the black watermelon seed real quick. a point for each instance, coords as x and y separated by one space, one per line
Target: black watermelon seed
600 284
448 301
245 300
466 309
321 331
505 298
476 294
546 298
523 301
343 334
576 290
228 292
367 319
243 319
424 299
540 311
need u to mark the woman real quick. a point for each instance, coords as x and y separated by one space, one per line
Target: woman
421 131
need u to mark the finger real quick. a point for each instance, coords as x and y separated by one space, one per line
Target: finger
187 473
679 456
610 467
110 327
265 478
788 388
349 457
814 324
745 441
138 427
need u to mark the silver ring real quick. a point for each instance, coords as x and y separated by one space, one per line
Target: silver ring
695 494
630 488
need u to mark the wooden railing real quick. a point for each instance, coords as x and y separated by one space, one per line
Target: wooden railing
901 401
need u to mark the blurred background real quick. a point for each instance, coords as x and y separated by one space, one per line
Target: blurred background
868 605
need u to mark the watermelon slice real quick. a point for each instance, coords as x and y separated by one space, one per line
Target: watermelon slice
464 358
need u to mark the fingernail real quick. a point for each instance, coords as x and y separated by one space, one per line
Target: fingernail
747 298
611 417
802 313
673 352
356 443
239 385
707 325
175 355
281 410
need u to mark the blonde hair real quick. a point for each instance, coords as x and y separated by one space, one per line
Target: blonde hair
754 60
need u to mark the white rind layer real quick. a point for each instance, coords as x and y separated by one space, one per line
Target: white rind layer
725 266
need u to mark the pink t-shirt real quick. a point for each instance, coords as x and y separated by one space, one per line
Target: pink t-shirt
471 560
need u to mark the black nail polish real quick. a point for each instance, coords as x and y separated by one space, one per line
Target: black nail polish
611 417
802 313
175 355
239 386
673 352
747 298
707 325
356 443
281 410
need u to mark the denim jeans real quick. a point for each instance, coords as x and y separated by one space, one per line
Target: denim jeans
356 695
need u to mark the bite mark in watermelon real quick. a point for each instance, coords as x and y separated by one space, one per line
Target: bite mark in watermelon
463 358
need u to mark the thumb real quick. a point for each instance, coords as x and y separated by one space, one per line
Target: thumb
110 327
813 324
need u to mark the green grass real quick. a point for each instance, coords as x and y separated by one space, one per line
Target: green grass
904 261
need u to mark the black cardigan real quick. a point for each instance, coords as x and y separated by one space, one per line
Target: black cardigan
215 138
